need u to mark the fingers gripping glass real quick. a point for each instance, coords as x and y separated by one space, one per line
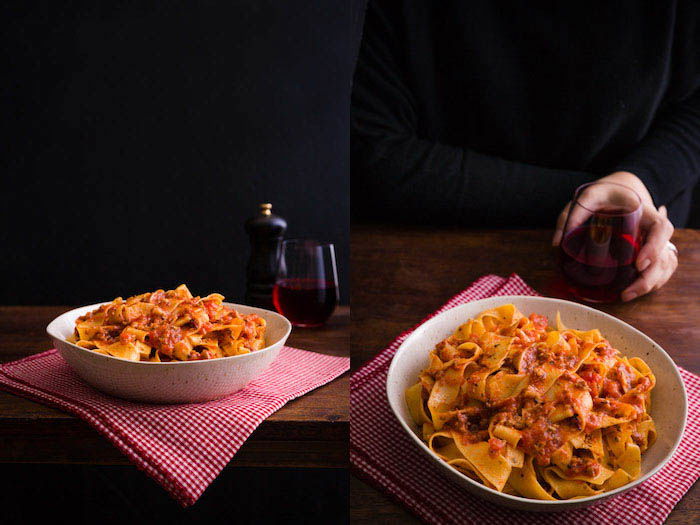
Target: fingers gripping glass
306 291
600 241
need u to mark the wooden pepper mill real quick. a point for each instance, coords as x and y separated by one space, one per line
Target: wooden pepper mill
266 231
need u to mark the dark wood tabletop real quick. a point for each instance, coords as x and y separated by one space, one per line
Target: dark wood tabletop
401 274
311 431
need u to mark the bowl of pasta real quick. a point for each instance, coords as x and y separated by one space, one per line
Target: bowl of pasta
538 404
168 346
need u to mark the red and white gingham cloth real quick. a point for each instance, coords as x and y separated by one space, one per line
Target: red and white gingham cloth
182 447
382 454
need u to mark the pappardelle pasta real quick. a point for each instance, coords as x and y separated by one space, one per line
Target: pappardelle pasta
169 326
532 411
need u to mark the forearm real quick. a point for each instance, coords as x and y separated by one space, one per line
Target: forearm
416 180
668 159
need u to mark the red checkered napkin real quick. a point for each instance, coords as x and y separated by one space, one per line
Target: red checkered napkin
382 453
182 447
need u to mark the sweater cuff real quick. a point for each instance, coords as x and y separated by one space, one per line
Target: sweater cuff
646 174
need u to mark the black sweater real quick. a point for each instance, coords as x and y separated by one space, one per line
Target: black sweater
492 113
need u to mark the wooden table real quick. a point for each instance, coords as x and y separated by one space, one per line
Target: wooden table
311 431
401 274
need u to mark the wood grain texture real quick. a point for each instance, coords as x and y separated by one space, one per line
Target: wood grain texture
311 431
401 274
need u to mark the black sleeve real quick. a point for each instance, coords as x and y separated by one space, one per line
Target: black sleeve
397 174
668 158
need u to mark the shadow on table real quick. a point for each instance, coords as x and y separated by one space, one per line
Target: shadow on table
113 494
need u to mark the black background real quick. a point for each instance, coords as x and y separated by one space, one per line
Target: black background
138 139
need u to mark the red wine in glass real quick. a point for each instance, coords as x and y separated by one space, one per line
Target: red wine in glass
601 241
305 302
598 275
306 290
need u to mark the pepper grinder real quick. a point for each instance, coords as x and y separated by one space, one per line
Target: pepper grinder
265 231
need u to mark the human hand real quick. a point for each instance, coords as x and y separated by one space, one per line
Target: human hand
656 262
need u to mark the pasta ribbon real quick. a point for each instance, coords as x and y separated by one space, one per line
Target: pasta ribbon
165 326
544 413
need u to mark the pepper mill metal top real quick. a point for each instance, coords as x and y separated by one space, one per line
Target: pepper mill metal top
265 231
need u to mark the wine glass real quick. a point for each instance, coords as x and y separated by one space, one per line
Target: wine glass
600 241
306 290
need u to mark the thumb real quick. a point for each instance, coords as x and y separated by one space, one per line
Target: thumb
559 228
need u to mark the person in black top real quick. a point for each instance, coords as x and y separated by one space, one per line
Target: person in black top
487 113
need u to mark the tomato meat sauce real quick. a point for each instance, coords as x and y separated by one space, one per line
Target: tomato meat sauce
540 440
472 426
579 466
164 337
496 446
540 321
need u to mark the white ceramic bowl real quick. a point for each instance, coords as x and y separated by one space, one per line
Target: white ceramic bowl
175 381
669 402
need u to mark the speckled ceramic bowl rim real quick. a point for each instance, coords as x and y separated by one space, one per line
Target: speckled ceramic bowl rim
590 499
51 331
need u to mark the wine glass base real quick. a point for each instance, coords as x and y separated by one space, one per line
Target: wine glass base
595 301
610 299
